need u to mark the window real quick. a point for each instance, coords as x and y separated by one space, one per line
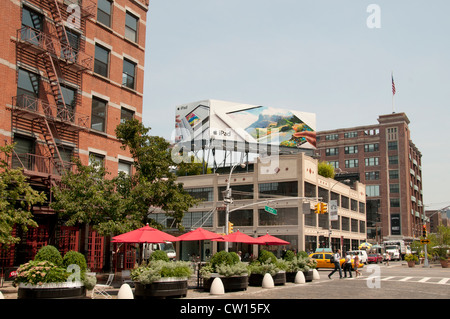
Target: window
22 147
351 149
104 12
393 174
394 188
205 193
96 159
372 190
131 24
128 75
393 159
331 151
350 134
32 23
74 43
331 137
69 95
392 146
125 115
28 83
371 161
98 116
125 167
371 147
394 202
283 189
373 175
351 163
101 60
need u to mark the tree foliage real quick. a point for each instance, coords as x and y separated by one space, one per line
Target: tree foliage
325 169
123 203
16 199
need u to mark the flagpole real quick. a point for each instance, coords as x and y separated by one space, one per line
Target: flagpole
393 91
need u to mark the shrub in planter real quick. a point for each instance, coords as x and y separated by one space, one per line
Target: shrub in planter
159 255
411 259
49 253
161 278
233 272
74 257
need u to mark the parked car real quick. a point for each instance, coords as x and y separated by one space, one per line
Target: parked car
323 260
363 258
375 258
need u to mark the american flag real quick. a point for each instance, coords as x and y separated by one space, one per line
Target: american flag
393 85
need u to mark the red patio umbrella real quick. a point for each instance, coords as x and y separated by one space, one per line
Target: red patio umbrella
199 234
238 237
144 234
271 240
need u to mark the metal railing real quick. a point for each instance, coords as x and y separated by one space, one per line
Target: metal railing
40 164
49 43
53 112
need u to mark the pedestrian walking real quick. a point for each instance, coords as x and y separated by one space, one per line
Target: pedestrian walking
357 272
348 265
388 257
337 264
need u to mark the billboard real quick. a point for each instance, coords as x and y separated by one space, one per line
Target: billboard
237 126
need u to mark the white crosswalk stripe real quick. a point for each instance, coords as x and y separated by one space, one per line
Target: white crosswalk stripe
427 280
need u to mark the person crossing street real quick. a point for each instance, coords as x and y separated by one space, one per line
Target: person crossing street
337 264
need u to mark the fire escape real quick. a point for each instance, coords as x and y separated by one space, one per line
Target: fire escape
48 116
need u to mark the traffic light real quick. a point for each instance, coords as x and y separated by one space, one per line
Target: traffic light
317 208
230 227
324 208
424 231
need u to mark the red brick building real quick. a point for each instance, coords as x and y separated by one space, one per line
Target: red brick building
384 158
72 70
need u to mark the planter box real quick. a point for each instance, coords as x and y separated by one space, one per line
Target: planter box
167 287
52 291
309 275
256 279
445 263
233 283
411 263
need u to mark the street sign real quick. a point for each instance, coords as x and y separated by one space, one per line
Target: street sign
333 209
270 210
424 241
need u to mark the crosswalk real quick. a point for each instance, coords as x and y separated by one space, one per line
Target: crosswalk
418 279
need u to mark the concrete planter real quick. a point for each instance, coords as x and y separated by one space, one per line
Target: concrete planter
52 291
163 288
233 283
278 279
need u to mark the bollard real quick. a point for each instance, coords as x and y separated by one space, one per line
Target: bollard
316 275
125 292
217 287
300 278
268 281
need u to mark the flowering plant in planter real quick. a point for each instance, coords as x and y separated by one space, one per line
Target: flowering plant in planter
40 272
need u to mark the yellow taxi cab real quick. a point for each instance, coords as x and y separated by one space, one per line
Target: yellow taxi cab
323 259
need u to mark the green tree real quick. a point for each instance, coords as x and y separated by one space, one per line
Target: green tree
16 199
325 169
154 185
88 196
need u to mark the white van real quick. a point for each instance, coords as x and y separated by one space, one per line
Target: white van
167 247
363 258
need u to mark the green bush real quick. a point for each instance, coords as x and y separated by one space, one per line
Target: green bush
267 256
74 257
49 253
158 269
159 255
224 258
289 255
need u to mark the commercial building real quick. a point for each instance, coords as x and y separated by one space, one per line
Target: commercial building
385 159
292 188
72 70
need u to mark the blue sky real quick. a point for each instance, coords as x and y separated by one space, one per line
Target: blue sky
315 56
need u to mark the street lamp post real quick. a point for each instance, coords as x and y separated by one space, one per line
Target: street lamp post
228 200
329 213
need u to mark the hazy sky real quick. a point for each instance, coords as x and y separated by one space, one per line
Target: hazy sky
329 57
